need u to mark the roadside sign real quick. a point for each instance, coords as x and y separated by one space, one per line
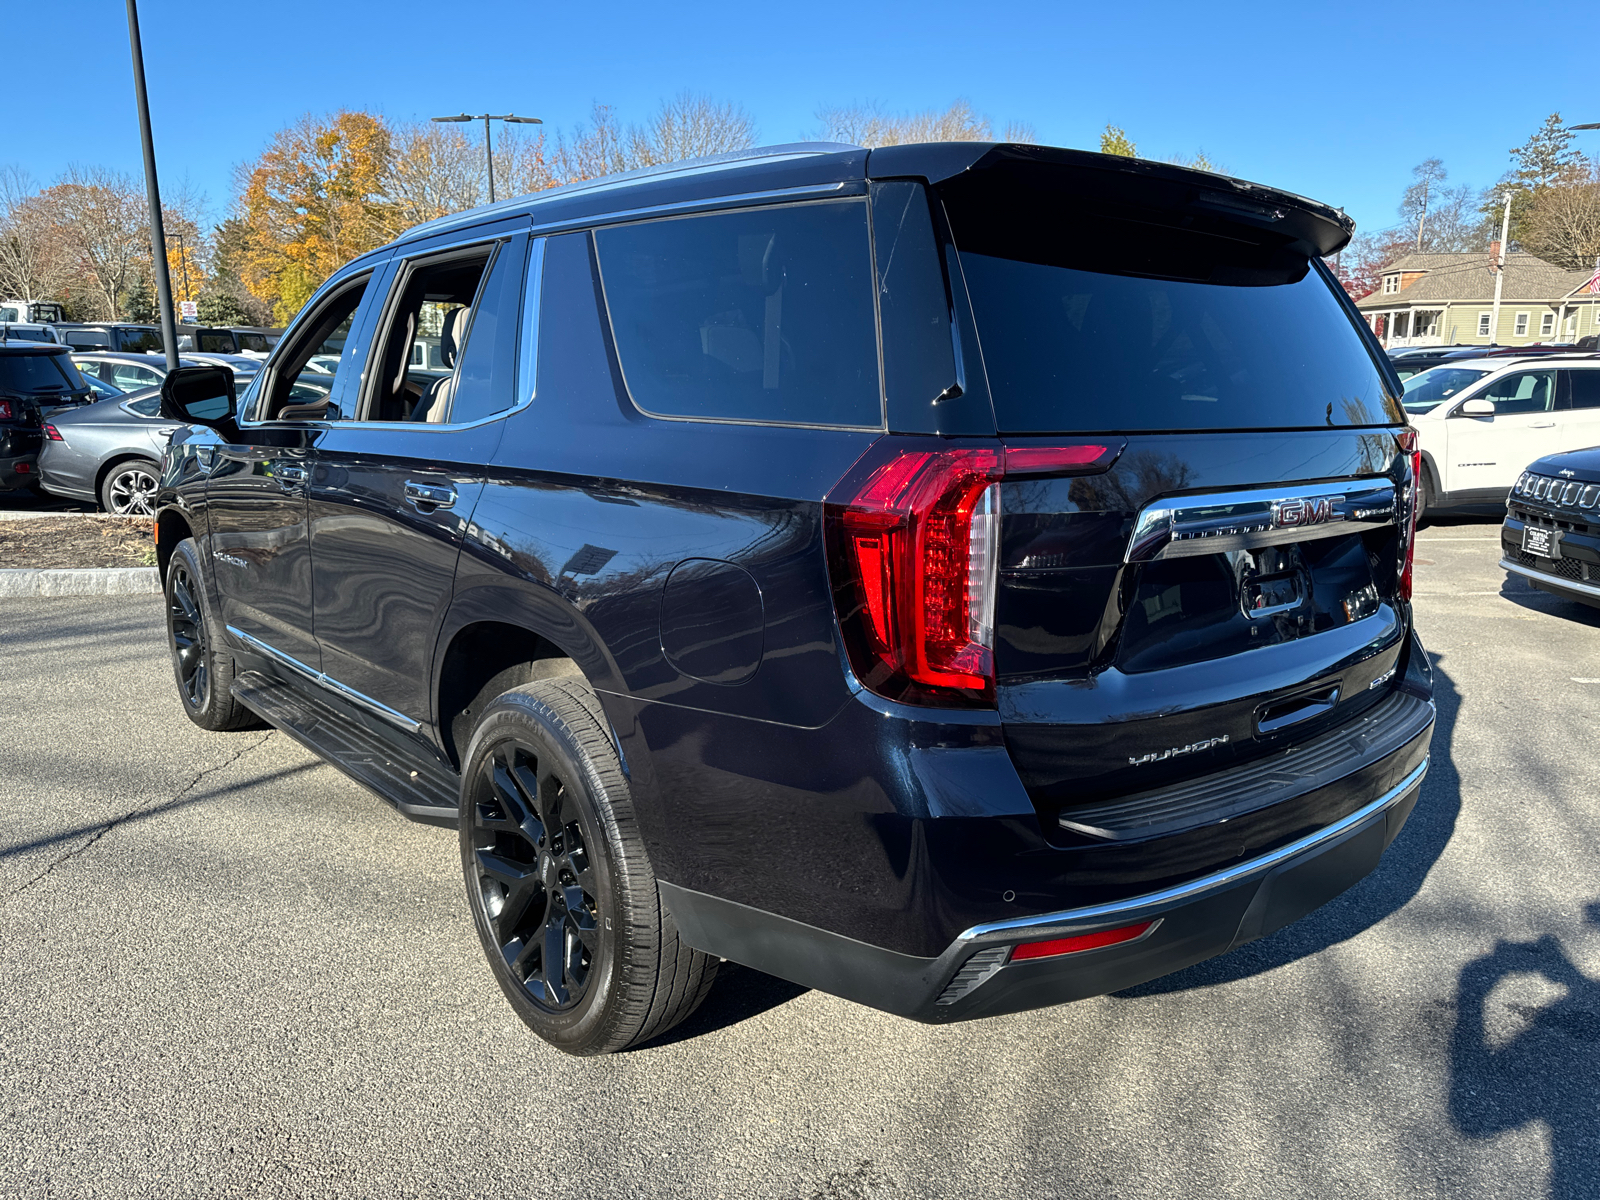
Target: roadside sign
188 309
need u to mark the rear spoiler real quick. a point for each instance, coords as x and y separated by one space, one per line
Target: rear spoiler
1312 228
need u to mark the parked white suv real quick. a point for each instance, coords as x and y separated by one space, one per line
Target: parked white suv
1481 421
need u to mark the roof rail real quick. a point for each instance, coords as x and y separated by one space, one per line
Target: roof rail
687 166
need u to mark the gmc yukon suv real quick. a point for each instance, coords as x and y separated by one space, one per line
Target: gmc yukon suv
961 578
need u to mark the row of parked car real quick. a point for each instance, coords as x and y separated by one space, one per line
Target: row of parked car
17 325
1518 429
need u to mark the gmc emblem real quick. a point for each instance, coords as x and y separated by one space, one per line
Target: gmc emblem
1316 511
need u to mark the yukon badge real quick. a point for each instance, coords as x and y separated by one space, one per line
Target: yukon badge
1176 751
1317 510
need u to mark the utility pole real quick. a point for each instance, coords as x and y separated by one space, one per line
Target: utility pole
183 262
1499 271
158 235
1423 215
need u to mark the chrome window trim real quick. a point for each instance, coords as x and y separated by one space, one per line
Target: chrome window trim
527 361
323 679
1153 904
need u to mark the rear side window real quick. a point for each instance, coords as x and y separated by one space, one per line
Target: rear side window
216 343
88 339
140 341
760 315
1585 387
1095 320
254 342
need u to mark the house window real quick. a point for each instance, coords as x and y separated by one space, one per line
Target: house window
1520 329
1426 323
1483 324
1391 284
1401 322
1547 324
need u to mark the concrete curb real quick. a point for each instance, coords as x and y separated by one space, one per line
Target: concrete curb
104 581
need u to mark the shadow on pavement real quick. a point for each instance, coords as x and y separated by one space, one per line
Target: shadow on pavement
1523 594
738 994
1545 1072
144 814
1391 887
27 500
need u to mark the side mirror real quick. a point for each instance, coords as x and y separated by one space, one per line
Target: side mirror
1476 407
199 396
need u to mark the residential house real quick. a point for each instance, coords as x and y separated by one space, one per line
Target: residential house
1448 299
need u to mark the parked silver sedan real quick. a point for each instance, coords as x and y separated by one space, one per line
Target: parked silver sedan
108 453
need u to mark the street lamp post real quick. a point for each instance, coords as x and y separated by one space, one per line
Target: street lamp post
488 148
158 237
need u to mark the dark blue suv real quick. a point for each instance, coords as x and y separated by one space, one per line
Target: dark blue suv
959 577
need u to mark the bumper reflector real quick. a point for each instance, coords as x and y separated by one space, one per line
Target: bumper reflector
1084 941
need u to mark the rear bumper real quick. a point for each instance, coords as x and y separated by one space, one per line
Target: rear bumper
18 472
976 975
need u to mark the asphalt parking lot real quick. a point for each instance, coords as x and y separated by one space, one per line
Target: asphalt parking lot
228 970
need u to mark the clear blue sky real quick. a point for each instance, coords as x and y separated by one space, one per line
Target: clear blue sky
1337 102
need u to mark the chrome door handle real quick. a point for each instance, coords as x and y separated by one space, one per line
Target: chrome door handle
290 474
430 495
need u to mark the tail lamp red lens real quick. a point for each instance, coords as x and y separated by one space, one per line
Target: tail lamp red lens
53 434
6 413
1409 446
23 468
1084 941
914 548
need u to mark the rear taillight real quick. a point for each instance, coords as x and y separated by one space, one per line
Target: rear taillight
913 535
1408 444
53 434
6 413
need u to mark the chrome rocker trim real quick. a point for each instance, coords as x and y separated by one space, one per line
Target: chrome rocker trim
343 691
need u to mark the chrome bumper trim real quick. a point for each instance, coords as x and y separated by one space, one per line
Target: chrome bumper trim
1153 904
1560 581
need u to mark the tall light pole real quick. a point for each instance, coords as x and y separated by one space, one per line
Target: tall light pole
488 148
158 237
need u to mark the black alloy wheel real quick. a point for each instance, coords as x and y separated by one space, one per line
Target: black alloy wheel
186 626
560 886
536 883
203 669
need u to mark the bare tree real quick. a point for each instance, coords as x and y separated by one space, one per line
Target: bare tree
433 170
33 265
1454 224
869 125
690 126
103 226
1563 224
592 151
1428 175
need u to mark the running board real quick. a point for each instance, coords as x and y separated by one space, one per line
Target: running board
421 790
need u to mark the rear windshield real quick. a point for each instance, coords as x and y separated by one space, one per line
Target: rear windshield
1092 322
19 333
1426 390
31 373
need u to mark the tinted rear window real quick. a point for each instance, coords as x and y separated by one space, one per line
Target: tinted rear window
139 341
27 373
760 315
1091 321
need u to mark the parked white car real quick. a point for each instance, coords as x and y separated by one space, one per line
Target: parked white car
1481 421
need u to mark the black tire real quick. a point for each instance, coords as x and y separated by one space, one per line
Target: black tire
204 670
541 759
129 488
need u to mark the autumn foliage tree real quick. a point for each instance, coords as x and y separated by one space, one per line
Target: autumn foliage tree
316 199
